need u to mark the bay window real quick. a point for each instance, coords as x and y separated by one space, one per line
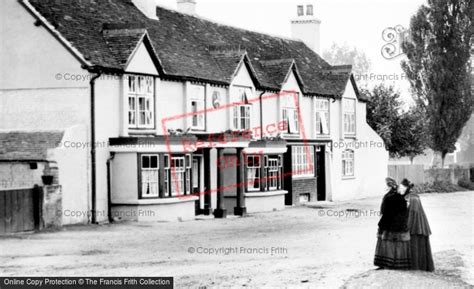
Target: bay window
322 116
348 163
149 176
253 172
274 167
177 176
349 108
140 96
302 161
176 173
197 102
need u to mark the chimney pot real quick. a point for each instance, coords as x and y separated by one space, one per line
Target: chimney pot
187 6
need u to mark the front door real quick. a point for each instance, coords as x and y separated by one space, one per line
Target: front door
320 173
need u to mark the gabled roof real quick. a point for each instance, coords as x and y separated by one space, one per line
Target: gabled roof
182 42
28 146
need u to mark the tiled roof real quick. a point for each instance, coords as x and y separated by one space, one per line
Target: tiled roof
28 146
182 44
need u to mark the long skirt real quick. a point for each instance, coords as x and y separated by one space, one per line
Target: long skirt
392 253
421 258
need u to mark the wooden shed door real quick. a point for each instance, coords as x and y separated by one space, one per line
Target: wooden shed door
17 210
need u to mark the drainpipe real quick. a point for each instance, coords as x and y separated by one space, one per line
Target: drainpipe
261 113
98 73
109 188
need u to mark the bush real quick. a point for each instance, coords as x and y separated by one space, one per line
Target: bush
437 187
466 183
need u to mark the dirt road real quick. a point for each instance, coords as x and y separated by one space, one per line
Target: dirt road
306 247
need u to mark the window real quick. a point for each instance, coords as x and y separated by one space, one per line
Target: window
166 161
273 167
348 163
309 9
177 172
195 172
150 176
189 165
290 117
349 107
242 110
289 112
302 161
140 101
300 10
253 173
322 116
197 99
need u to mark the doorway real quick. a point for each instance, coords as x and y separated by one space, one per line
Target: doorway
320 173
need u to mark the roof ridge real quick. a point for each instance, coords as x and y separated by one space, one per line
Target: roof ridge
213 21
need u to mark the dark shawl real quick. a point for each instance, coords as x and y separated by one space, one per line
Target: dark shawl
394 213
417 221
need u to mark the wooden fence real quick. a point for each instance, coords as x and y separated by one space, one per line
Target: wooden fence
417 174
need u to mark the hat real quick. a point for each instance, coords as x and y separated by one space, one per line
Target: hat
391 182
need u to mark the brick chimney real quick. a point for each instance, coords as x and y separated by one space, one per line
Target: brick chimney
306 27
187 6
147 7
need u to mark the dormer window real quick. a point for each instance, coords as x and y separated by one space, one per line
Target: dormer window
197 103
300 10
322 116
140 101
309 9
289 114
242 112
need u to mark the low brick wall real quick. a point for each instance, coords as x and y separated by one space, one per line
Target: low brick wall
306 186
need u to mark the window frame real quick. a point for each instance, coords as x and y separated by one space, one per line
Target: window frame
200 101
317 111
350 127
257 175
242 109
300 10
309 10
143 88
276 169
348 155
141 172
300 165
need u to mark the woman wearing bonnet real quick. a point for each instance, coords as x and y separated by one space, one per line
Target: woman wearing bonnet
420 255
393 239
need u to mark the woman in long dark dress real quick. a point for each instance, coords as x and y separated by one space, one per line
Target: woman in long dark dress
421 258
393 239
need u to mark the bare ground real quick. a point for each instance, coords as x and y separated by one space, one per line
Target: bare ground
312 248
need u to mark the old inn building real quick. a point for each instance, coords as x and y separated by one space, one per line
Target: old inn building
163 115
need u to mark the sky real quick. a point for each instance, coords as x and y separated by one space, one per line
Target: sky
359 23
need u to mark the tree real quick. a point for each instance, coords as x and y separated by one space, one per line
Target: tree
438 69
402 132
344 54
409 137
